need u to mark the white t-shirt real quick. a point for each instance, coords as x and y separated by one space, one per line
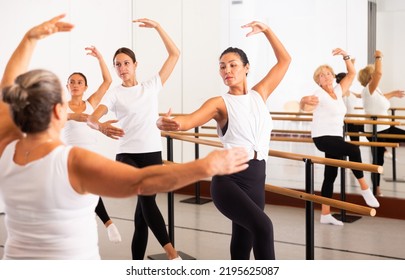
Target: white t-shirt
249 124
351 102
328 116
375 104
136 108
79 133
45 217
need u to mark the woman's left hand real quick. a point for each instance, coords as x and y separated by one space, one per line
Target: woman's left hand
145 22
256 26
339 51
49 27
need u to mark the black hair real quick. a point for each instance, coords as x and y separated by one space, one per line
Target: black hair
339 77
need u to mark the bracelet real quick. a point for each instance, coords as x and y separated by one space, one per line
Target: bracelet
346 57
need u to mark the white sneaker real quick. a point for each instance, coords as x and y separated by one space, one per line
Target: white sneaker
329 219
113 234
387 155
370 198
178 258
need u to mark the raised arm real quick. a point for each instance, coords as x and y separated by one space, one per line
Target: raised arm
96 97
18 64
273 78
92 173
377 74
172 50
347 81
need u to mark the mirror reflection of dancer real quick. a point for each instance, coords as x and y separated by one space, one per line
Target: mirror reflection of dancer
327 130
51 216
242 120
76 131
135 104
375 102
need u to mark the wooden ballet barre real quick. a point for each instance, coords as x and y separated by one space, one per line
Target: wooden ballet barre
296 139
300 157
371 122
379 135
327 161
363 210
375 116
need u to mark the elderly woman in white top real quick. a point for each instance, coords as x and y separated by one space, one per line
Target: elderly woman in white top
375 102
327 130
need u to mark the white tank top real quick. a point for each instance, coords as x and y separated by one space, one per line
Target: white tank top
249 124
45 217
79 133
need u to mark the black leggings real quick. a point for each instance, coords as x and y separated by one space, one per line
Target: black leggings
240 197
379 160
147 213
101 212
335 147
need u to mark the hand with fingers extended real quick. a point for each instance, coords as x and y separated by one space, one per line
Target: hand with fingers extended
145 22
256 26
227 161
108 129
49 27
166 123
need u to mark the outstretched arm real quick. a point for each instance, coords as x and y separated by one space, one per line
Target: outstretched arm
96 97
272 79
93 173
173 51
18 64
213 108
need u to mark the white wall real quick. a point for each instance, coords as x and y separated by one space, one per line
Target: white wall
309 29
391 41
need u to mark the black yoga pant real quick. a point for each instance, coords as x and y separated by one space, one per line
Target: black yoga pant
379 159
147 213
240 197
335 147
355 128
101 212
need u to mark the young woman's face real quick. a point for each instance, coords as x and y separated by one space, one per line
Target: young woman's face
124 66
232 70
76 85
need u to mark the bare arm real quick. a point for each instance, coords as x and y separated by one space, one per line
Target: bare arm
273 78
347 81
106 127
93 173
96 97
213 108
309 103
18 64
172 50
377 75
394 93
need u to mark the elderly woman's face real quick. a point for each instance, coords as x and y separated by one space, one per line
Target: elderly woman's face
326 77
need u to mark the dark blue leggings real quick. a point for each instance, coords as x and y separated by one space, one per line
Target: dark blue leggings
240 197
147 213
335 147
